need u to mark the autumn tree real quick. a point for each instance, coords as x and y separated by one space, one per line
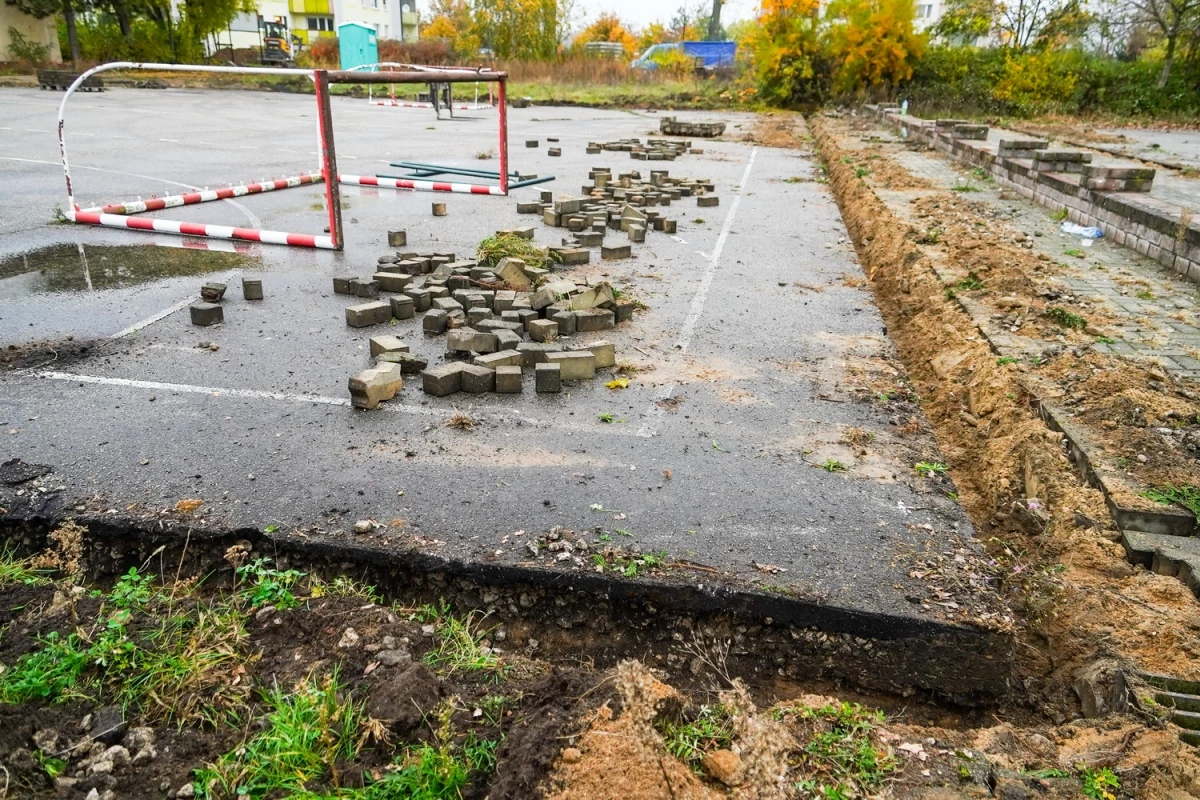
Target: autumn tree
1173 20
786 52
872 43
608 28
520 29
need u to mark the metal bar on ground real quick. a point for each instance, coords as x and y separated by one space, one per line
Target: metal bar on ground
477 173
419 186
530 182
205 196
333 196
157 225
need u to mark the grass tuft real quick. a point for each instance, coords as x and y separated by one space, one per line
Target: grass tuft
709 729
839 757
1186 496
1066 319
15 570
460 647
494 248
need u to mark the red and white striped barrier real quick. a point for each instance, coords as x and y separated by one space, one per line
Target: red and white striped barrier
420 186
208 195
201 229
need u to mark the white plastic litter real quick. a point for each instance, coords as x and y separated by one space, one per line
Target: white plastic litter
1078 230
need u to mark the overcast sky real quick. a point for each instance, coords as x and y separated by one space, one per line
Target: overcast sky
639 13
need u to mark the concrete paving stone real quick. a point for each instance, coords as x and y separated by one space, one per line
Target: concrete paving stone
443 380
497 325
341 283
392 281
478 379
397 238
422 301
612 253
364 314
594 319
565 320
447 304
636 233
435 322
623 311
507 340
387 343
477 315
205 314
370 387
503 301
409 362
403 307
590 238
512 272
362 287
547 378
470 340
542 330
576 365
509 379
708 201
533 353
501 358
529 208
213 291
603 351
252 289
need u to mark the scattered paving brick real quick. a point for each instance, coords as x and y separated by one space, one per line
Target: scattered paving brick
365 314
547 378
205 314
373 386
509 379
252 289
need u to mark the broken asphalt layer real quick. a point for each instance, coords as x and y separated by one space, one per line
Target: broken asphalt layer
767 448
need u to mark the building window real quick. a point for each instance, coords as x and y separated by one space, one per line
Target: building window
924 12
320 23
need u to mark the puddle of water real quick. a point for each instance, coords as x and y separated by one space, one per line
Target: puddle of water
86 268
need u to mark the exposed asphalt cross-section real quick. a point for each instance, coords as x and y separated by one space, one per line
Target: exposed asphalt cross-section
767 447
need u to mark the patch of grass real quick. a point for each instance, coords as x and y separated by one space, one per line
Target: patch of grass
1145 294
982 174
310 732
971 283
931 236
839 756
930 469
861 172
268 587
1060 215
132 590
629 565
965 187
460 647
460 421
698 221
1104 340
1099 784
1186 496
797 179
1074 251
56 671
342 586
494 248
20 570
1066 319
710 729
1003 360
608 418
833 465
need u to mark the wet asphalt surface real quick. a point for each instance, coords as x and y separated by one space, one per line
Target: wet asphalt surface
714 453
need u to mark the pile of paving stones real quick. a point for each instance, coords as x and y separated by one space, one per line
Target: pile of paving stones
677 127
652 150
497 321
209 311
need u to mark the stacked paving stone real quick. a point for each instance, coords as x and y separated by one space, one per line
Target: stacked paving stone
497 321
652 150
706 130
628 205
209 312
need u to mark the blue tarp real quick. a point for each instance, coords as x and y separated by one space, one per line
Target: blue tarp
711 54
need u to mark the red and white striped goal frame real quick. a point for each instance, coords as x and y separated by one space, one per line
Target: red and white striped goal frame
118 215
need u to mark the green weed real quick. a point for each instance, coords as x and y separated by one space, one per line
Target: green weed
496 247
965 187
861 172
310 732
1186 496
698 221
931 236
982 174
712 729
1104 340
1002 360
55 671
20 570
342 586
1145 294
840 758
269 587
1097 783
1066 319
1060 215
1074 251
629 565
930 469
833 465
460 647
132 590
971 283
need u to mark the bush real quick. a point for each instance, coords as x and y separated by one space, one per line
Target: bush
101 41
25 50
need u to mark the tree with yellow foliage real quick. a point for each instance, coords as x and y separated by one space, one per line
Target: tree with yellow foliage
608 28
786 51
872 43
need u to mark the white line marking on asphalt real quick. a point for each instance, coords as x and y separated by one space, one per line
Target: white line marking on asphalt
689 323
681 241
173 141
314 399
168 311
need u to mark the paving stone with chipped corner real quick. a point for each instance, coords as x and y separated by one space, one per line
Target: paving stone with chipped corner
373 386
386 343
442 381
410 363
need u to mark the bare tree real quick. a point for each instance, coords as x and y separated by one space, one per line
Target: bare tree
1172 19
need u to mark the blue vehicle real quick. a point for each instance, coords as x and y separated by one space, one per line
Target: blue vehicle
707 55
